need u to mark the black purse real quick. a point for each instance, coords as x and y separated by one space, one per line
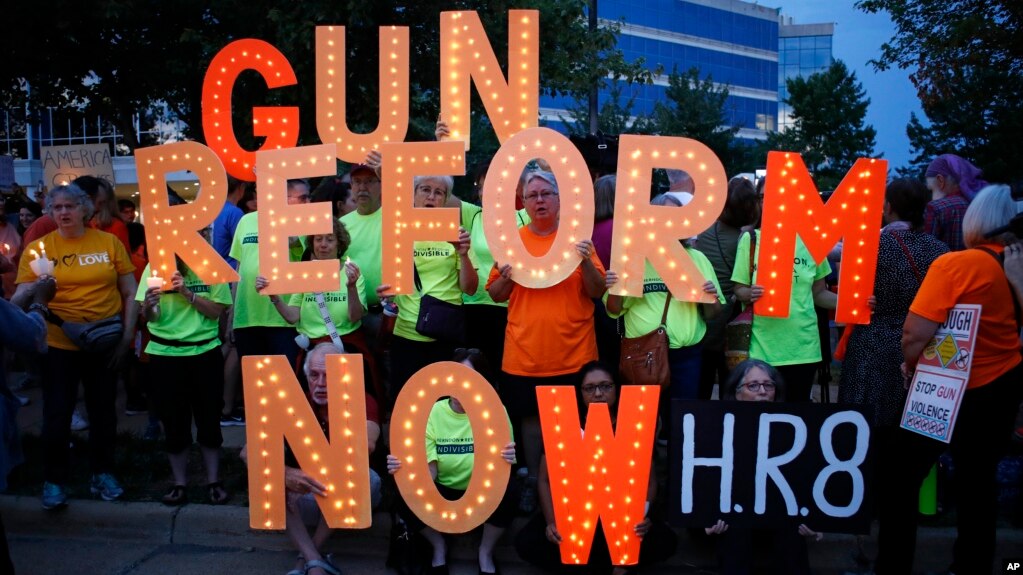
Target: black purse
439 319
95 336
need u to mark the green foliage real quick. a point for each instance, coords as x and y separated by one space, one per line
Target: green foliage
613 118
142 54
828 111
967 57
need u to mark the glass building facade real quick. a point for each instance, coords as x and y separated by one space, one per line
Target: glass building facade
803 50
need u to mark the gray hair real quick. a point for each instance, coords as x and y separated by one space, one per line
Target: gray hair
740 371
448 182
604 198
992 208
324 347
680 180
75 193
541 175
666 200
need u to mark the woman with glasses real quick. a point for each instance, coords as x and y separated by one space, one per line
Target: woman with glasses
754 380
94 283
187 370
443 271
448 431
539 541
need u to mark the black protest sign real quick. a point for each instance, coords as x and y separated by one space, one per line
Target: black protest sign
758 464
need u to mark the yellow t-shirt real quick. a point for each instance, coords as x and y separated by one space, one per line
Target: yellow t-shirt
86 269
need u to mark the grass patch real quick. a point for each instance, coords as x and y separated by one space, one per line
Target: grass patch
140 465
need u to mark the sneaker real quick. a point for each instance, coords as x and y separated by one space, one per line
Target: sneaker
106 487
136 408
54 496
78 423
236 419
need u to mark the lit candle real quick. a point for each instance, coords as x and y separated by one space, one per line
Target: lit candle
40 265
154 281
42 248
7 249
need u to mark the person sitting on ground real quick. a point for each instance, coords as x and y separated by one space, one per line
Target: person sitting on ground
451 470
754 380
302 489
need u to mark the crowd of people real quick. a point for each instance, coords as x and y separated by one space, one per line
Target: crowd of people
176 342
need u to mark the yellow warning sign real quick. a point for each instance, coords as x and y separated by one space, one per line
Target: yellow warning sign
947 349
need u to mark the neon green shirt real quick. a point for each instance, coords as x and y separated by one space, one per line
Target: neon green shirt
250 308
472 220
792 340
180 321
365 248
310 321
438 264
685 324
449 442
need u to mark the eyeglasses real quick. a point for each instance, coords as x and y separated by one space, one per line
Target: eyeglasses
64 207
604 388
758 386
303 198
545 196
429 191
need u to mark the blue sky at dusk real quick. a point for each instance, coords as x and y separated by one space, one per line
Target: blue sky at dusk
858 39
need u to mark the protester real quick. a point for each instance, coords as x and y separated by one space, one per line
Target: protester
94 283
754 380
187 369
539 540
127 210
27 215
258 328
550 333
719 244
226 224
365 226
338 192
684 323
791 344
249 202
10 248
680 186
105 216
443 271
609 341
953 182
992 397
451 469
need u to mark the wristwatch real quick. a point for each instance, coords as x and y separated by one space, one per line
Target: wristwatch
40 308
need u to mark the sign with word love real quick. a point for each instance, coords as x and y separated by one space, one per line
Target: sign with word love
941 375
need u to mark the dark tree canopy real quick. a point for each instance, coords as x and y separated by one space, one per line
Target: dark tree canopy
828 111
967 57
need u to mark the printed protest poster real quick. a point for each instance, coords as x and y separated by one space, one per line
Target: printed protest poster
941 375
763 464
62 164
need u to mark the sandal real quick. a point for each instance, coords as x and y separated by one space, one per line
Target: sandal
217 494
325 565
298 571
176 496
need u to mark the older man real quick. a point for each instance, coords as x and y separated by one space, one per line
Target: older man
550 333
302 489
364 225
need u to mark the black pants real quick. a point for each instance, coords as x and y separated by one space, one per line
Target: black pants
980 438
532 545
62 371
484 329
266 341
737 547
409 356
186 389
518 394
501 518
713 370
798 380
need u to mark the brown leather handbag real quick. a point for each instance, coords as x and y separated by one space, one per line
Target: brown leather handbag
645 358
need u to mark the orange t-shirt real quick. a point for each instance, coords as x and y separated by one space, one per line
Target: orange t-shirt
86 269
550 330
973 276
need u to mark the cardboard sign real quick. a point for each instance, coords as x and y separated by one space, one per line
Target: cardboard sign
941 375
756 464
62 164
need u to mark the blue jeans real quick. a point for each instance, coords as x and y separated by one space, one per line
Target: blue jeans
684 365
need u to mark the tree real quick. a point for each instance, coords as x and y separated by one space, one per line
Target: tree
695 108
120 57
614 117
967 57
828 110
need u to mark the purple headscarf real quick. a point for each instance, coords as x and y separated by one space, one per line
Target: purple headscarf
960 170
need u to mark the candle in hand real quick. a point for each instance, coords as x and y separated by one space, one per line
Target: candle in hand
154 281
40 265
42 248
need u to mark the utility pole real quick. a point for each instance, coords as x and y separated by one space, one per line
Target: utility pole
596 81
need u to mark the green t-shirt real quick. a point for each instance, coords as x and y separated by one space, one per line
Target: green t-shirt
250 308
472 220
793 340
449 442
310 321
438 264
180 321
685 324
365 248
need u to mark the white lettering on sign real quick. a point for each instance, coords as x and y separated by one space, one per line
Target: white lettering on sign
690 462
96 258
771 466
835 465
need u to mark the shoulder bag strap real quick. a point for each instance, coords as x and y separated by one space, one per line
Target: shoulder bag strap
752 257
328 321
667 302
912 264
724 258
1015 302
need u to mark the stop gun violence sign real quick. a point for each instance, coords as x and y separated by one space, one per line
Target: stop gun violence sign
941 375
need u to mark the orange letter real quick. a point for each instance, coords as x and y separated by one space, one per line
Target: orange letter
793 206
490 434
603 474
644 232
279 410
403 224
173 230
278 221
574 188
278 124
466 56
331 107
